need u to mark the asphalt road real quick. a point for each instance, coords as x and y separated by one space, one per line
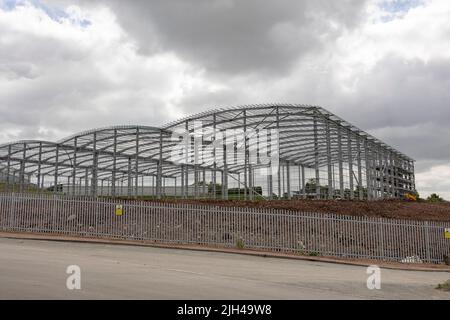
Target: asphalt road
31 269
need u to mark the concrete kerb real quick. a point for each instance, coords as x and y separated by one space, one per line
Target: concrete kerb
263 254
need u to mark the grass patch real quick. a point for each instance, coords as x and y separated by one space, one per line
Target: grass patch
447 260
444 286
240 243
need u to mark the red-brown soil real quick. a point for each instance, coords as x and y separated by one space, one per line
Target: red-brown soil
395 209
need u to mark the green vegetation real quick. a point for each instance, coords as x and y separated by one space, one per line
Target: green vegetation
27 188
240 243
301 249
446 259
235 193
435 198
311 190
444 286
311 187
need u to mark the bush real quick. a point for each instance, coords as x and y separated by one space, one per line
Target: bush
446 259
435 198
240 243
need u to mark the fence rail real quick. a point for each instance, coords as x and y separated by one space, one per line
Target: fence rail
255 228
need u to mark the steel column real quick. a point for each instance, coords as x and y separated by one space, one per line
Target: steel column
350 165
340 165
56 169
316 156
360 185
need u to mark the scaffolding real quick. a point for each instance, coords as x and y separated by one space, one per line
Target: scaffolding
318 155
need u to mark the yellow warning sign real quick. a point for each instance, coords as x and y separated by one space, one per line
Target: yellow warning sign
119 210
447 233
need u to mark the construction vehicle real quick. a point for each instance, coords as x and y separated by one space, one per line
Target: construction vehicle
410 197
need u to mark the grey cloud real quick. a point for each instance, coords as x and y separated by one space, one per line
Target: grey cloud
17 70
258 51
65 95
428 142
202 101
235 37
402 102
406 104
404 92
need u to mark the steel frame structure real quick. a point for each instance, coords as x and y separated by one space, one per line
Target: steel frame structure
320 155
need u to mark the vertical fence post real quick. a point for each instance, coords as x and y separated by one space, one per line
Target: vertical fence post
427 241
12 212
381 237
53 204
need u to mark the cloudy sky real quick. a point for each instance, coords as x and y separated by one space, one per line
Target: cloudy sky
383 65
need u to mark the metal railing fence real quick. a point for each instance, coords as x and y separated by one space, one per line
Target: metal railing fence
268 229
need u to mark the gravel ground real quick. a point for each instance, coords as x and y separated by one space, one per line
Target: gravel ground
396 209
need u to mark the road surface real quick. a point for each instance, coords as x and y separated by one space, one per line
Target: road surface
32 269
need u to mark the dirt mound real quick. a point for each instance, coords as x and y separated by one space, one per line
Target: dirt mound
395 209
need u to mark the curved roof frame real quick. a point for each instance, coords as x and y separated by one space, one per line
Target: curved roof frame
308 135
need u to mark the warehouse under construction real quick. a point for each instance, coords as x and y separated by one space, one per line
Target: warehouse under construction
270 151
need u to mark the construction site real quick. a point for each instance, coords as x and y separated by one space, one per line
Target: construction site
284 156
284 178
273 151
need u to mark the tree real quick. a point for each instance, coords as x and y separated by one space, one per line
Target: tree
310 187
435 198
